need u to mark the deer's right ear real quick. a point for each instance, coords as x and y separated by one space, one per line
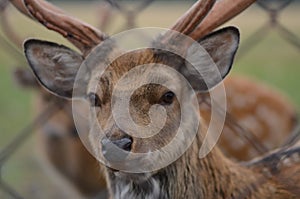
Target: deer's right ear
55 66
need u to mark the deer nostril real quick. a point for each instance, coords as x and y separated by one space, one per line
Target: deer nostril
124 143
110 148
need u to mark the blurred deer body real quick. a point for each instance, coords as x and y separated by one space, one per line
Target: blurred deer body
59 142
214 176
259 110
64 150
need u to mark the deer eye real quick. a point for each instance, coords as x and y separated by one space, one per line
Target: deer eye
94 99
167 98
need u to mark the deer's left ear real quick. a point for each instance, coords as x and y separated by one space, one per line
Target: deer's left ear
220 47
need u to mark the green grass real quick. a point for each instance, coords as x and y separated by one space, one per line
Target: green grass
273 61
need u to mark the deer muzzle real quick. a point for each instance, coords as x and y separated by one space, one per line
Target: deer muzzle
116 150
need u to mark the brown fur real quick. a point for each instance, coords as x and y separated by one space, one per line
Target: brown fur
60 143
260 110
214 176
66 153
64 150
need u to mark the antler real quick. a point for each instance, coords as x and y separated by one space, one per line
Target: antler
85 37
206 15
223 11
191 19
82 35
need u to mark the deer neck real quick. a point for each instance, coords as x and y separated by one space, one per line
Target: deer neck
189 177
211 177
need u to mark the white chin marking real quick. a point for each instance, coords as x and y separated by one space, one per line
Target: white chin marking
127 189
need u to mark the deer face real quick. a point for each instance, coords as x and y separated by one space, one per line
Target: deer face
136 101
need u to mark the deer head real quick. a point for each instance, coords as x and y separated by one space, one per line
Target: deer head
149 103
60 66
56 67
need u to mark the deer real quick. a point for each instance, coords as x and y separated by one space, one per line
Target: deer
60 147
274 102
259 112
214 176
240 109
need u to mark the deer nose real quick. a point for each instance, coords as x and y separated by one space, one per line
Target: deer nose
111 148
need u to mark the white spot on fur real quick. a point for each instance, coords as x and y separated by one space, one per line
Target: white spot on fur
251 123
287 162
237 144
274 119
267 172
296 157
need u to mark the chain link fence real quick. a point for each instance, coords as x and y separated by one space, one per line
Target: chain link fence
273 8
130 14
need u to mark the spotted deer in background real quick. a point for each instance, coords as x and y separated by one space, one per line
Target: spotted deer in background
214 176
60 144
259 118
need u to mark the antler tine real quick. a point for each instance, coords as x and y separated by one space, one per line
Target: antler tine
19 4
223 11
82 35
190 20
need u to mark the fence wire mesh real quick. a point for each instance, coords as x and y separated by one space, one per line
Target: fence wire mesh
130 15
273 8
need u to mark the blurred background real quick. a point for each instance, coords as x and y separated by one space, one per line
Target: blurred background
269 52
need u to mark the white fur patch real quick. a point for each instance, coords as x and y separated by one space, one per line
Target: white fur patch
125 190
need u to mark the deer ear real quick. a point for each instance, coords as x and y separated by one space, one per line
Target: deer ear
55 66
220 47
